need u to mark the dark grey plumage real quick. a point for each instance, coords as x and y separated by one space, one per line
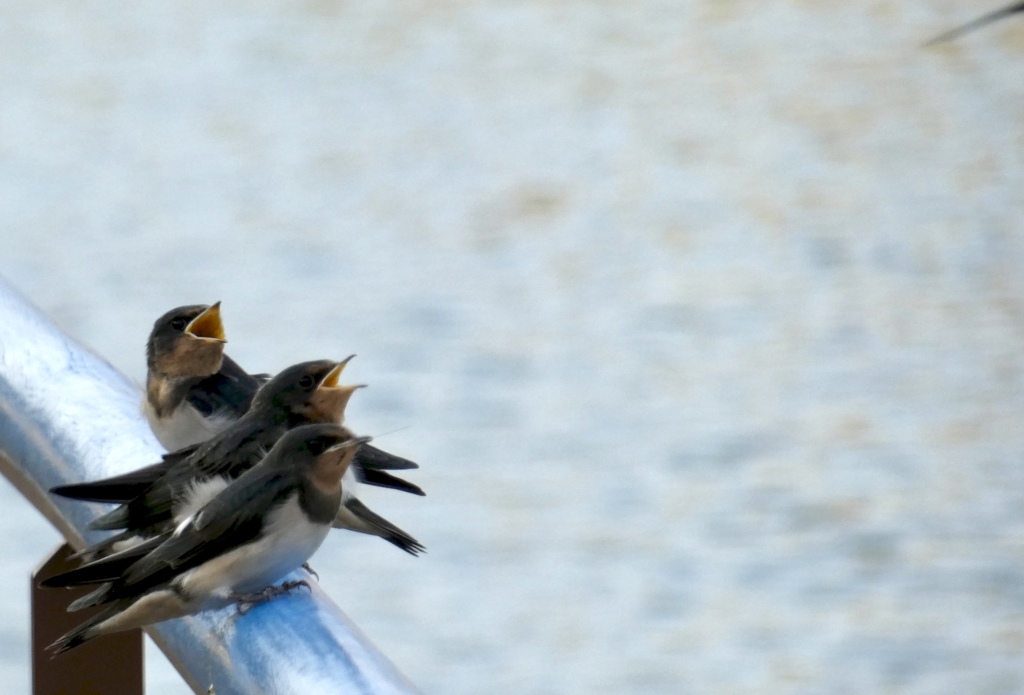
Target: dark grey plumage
150 495
259 528
155 497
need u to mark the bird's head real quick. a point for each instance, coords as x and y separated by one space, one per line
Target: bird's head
325 451
187 342
308 392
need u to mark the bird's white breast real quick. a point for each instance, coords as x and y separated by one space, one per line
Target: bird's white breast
197 495
183 427
288 540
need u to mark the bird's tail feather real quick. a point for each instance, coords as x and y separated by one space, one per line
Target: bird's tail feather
382 479
93 598
103 548
84 632
384 528
116 519
120 488
372 458
105 569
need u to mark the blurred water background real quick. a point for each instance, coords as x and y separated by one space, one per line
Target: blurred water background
704 319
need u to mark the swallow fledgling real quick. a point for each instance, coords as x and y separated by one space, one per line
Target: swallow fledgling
254 532
155 498
193 390
152 496
981 21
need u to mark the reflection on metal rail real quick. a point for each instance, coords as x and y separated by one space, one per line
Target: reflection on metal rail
66 415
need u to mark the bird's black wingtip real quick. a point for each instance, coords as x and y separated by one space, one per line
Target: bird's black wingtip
383 479
69 491
408 544
68 642
978 23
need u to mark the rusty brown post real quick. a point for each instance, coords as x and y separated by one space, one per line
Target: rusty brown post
108 666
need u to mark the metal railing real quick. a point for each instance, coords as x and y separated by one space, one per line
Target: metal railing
67 415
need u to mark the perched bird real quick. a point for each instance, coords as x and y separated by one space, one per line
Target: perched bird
193 390
985 19
155 498
251 534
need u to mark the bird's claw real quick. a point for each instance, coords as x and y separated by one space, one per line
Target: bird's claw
247 601
305 566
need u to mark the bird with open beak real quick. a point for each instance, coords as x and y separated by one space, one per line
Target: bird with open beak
155 498
251 534
193 390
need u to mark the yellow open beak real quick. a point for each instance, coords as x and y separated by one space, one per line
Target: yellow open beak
331 380
207 325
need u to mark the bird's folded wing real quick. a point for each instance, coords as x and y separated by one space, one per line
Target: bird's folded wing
229 392
234 517
120 488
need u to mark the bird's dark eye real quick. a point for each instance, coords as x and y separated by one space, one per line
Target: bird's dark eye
179 323
307 382
317 446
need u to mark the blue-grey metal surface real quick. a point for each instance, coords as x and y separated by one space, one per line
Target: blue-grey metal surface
67 415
